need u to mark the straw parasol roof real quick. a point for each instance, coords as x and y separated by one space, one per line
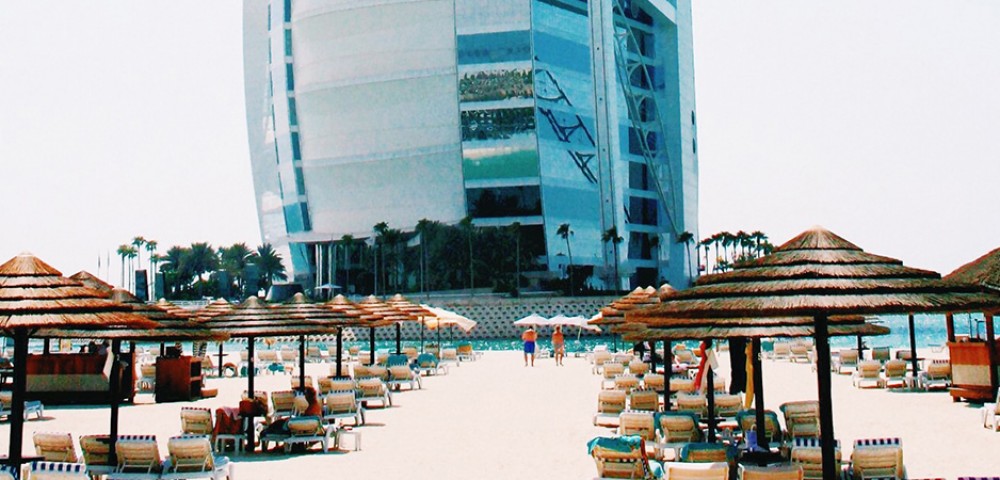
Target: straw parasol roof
255 318
35 295
301 308
401 303
172 327
174 310
340 303
214 308
614 313
92 281
815 273
749 328
389 313
984 271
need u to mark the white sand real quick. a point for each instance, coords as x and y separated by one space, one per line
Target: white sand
498 419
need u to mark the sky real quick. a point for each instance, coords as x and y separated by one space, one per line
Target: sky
876 120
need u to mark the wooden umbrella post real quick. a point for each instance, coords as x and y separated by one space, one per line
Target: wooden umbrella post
221 356
371 344
825 397
991 345
652 357
399 328
114 391
913 350
17 396
668 370
340 350
710 379
250 393
758 394
302 362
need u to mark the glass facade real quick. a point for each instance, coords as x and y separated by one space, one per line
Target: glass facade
496 103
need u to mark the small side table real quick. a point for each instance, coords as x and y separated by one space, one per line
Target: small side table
355 437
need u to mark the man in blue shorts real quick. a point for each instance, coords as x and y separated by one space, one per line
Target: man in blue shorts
529 337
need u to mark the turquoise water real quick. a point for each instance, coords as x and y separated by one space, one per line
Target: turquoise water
930 331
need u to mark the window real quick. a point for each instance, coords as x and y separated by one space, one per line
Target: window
296 152
293 115
289 77
288 42
642 211
288 10
504 202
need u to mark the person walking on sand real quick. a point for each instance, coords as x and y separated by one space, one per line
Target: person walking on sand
558 345
529 337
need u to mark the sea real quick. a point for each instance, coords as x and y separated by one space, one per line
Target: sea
930 332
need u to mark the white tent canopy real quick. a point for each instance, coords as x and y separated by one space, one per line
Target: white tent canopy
532 320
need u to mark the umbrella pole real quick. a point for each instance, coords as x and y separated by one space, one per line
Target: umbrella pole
340 350
115 388
652 357
710 382
825 397
221 355
861 349
421 335
17 396
302 362
399 328
250 393
668 362
913 349
758 393
371 344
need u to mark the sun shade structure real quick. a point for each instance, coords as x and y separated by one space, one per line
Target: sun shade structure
301 308
970 359
418 312
532 320
984 271
368 318
255 318
90 280
613 315
33 295
818 275
390 315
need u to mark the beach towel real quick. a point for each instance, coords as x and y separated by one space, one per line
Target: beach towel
227 421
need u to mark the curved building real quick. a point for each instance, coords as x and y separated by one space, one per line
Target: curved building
542 112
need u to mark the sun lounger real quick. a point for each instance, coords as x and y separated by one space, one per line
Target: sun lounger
353 351
400 375
610 371
49 470
229 427
8 472
680 384
345 368
341 405
747 421
696 404
638 368
637 423
654 381
626 382
846 361
373 389
808 453
685 357
696 471
466 353
676 429
610 403
622 457
727 404
599 359
937 376
801 418
799 352
868 375
191 457
295 382
341 384
427 364
881 354
718 381
314 354
96 449
362 371
379 372
642 399
309 430
877 458
147 378
773 472
703 452
623 359
55 447
410 352
282 404
138 458
782 351
895 374
30 406
449 356
196 421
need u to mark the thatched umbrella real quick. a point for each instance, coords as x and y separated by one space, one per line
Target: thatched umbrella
172 328
90 280
816 275
299 307
33 295
614 313
341 304
417 311
389 314
984 272
255 318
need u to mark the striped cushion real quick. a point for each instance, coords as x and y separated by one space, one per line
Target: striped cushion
877 442
809 442
8 472
58 471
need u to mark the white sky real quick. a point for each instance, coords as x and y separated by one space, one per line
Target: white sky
877 120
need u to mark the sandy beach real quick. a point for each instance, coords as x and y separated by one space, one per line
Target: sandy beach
495 418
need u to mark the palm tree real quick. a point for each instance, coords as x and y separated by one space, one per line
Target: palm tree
716 241
469 228
759 238
269 264
705 243
515 229
132 253
234 261
565 232
687 238
611 235
380 229
138 243
347 241
655 242
727 241
123 253
151 249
